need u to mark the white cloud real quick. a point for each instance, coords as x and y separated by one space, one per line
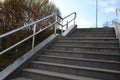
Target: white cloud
91 2
109 9
109 5
103 3
83 23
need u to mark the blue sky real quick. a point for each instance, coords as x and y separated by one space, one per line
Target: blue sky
86 10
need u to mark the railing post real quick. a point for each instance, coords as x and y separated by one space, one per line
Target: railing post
67 25
96 13
74 18
55 29
74 22
62 27
33 40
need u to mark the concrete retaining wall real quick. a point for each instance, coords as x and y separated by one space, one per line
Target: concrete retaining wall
117 30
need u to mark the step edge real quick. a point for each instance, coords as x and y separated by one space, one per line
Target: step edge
91 53
50 73
84 47
20 78
87 42
78 67
82 59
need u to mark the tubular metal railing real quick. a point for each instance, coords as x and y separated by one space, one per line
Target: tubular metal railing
37 32
117 12
72 19
117 25
117 16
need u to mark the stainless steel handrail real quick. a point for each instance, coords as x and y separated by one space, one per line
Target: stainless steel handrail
117 12
68 22
25 26
70 15
34 29
73 19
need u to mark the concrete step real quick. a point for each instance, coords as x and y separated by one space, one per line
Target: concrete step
94 30
89 55
92 35
85 49
103 74
83 39
88 41
114 65
96 33
37 74
21 78
88 44
91 38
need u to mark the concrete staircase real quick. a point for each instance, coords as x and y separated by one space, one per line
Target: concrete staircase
86 54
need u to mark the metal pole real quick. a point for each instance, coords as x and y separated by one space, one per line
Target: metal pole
67 25
96 13
74 18
55 29
74 22
62 27
33 40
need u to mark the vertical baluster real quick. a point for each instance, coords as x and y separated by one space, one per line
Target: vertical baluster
67 25
62 27
74 21
33 40
55 29
74 18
